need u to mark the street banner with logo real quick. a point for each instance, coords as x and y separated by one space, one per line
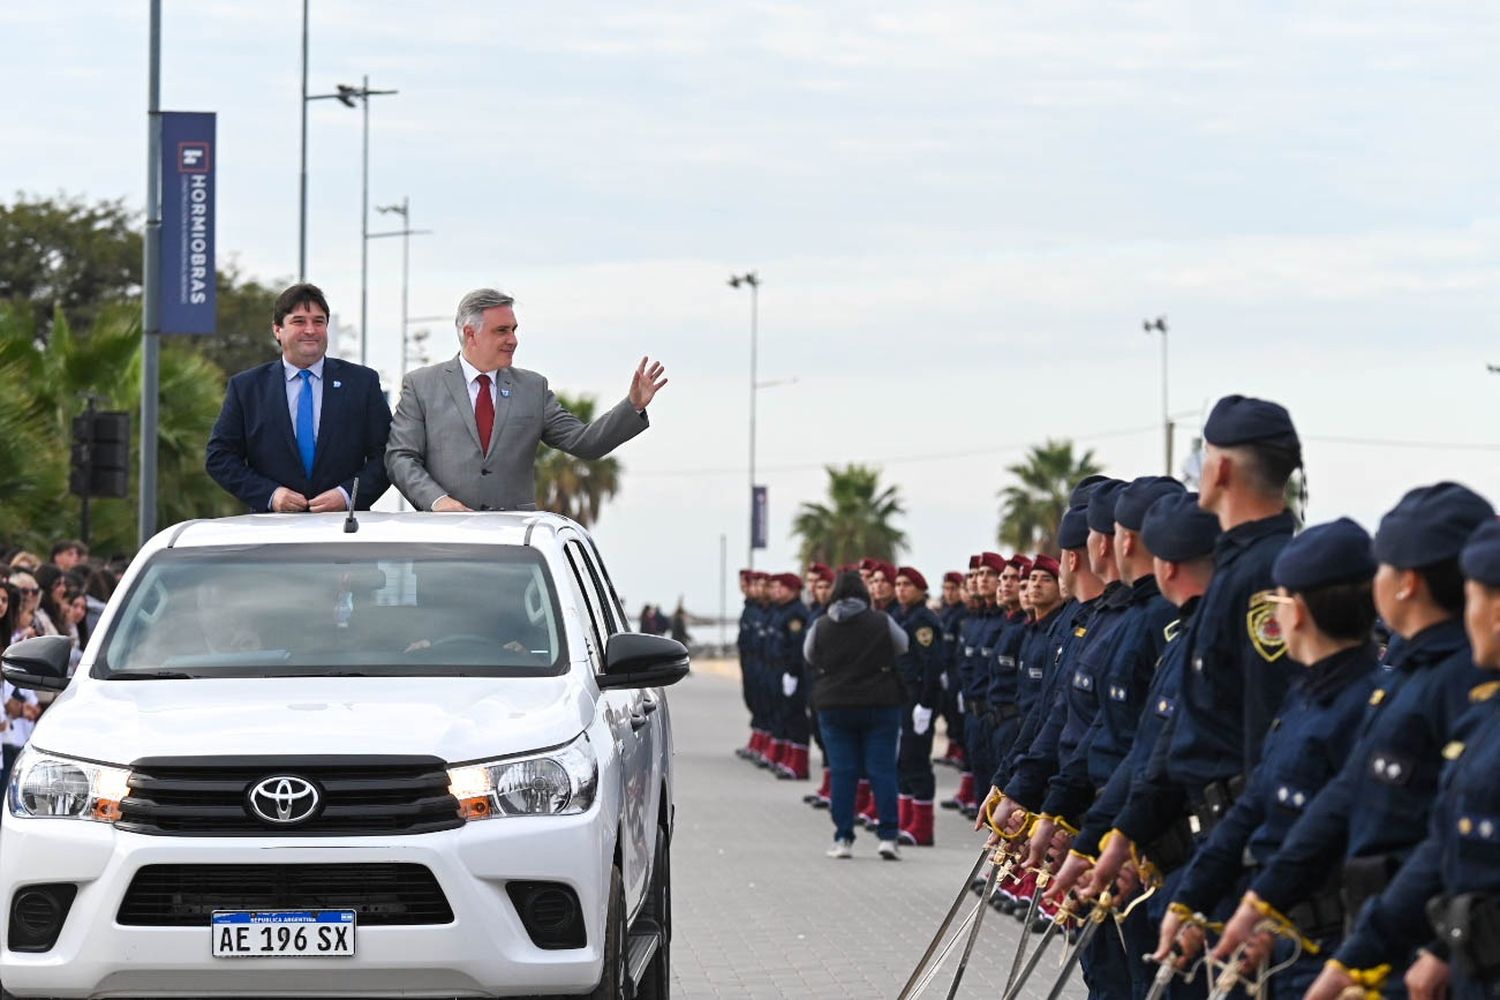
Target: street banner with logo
186 291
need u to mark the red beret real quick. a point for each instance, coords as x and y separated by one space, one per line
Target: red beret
974 562
888 569
954 576
917 579
868 565
759 577
1021 563
1047 565
791 581
747 574
820 571
992 560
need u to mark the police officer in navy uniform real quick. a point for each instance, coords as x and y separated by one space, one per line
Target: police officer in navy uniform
964 651
1372 816
742 641
1455 875
1181 537
787 629
1326 613
951 614
979 633
1236 673
921 668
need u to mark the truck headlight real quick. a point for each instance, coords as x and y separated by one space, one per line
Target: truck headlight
44 785
559 782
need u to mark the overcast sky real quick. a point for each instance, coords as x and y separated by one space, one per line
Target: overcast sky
961 212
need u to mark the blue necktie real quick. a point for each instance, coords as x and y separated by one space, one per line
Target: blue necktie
307 437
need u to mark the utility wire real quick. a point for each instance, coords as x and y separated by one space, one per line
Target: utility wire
702 473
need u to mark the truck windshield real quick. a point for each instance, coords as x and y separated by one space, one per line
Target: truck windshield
337 610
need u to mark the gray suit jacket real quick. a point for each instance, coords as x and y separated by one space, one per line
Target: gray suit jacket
434 450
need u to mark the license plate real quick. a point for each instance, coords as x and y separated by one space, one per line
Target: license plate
283 934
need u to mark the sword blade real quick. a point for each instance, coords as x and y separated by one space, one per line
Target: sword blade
942 956
984 904
1073 958
958 900
1034 961
1015 964
1162 981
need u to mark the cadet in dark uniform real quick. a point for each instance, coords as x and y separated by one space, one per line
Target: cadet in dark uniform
965 797
980 632
743 641
1325 612
1375 812
787 628
1236 676
1457 868
921 668
952 615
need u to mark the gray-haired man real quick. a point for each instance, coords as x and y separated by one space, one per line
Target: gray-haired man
465 432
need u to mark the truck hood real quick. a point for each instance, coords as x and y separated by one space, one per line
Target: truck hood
454 718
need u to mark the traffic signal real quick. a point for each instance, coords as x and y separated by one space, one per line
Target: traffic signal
101 454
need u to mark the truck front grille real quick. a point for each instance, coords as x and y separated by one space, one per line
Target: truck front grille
209 796
187 895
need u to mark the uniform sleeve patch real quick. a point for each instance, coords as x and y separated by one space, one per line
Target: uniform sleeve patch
1265 634
925 636
1377 696
795 625
1484 692
1453 750
1173 630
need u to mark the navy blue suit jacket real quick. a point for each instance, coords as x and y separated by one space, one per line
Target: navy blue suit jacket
253 448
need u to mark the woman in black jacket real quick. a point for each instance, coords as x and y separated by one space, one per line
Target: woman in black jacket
851 655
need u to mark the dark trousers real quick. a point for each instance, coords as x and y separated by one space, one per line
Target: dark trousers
914 762
792 725
977 745
952 717
862 740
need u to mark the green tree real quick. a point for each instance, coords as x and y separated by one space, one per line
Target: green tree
575 487
1031 508
44 385
63 253
855 522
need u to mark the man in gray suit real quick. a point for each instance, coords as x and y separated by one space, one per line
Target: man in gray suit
465 432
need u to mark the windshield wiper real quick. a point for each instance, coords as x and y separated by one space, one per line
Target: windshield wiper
150 675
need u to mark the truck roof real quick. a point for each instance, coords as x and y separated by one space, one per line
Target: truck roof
486 528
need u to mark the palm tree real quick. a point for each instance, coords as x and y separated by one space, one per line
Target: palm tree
1030 509
854 523
575 487
44 385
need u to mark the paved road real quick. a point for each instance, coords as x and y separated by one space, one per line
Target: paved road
760 913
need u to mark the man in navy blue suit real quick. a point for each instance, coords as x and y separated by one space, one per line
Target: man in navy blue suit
296 434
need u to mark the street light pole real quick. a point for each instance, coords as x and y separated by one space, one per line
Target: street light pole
406 233
302 177
150 306
346 96
1160 326
753 280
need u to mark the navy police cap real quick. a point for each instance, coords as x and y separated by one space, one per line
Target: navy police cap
1246 420
1102 506
1178 530
1325 554
1085 487
1430 524
1480 559
1073 530
1137 496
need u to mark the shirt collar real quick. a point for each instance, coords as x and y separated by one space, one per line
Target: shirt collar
1332 674
471 373
1242 536
290 371
1434 643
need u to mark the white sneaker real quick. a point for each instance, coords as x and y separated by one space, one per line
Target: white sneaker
890 851
841 849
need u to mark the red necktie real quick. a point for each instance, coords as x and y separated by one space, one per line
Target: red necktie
484 412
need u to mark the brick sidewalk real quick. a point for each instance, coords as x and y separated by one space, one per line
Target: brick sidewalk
760 913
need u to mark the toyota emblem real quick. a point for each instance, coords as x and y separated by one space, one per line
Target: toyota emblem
284 800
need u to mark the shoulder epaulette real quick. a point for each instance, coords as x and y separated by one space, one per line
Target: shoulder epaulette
1483 692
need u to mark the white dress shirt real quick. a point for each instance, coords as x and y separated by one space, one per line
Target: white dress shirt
471 379
294 396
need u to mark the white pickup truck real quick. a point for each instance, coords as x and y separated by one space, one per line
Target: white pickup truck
416 755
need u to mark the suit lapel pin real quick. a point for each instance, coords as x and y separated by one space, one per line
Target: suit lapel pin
505 391
337 384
